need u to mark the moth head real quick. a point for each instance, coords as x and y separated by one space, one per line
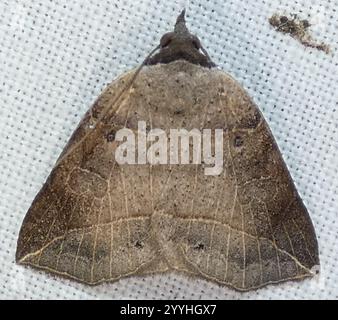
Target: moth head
181 44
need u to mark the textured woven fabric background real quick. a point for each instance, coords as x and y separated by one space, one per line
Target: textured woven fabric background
55 58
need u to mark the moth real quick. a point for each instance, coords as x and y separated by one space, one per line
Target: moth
96 220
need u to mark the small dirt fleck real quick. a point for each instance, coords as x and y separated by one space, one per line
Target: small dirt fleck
298 29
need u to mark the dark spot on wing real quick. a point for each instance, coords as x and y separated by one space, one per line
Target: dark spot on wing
138 244
199 246
111 136
238 142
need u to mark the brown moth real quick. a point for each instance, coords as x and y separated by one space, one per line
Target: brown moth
96 220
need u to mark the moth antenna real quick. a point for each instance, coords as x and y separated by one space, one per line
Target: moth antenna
145 62
206 54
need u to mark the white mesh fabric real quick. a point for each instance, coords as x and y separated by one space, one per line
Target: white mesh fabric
55 58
